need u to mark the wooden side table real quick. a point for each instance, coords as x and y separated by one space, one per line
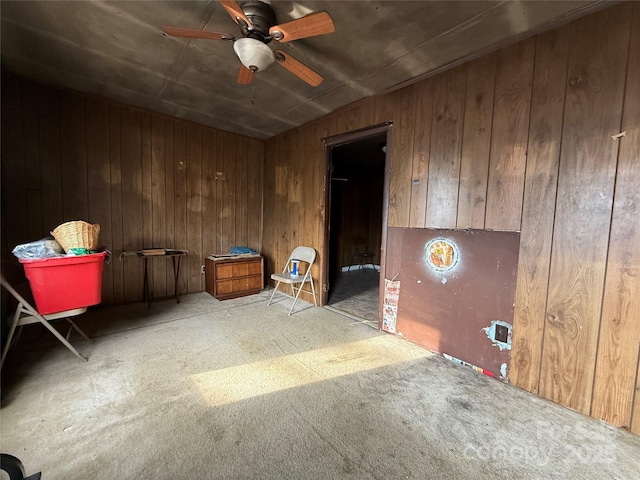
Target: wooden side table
234 276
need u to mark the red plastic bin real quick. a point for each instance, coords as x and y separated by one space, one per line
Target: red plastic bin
65 283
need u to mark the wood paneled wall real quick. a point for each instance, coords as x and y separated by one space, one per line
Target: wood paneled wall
147 179
519 140
358 203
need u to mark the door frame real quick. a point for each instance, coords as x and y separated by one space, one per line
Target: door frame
343 139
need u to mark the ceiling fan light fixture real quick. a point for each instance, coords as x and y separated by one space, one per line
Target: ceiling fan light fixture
253 54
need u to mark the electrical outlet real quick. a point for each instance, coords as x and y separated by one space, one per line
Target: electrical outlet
502 333
202 269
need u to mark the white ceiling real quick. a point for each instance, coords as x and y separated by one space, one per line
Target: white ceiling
117 50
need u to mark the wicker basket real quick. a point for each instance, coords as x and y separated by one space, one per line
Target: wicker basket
77 234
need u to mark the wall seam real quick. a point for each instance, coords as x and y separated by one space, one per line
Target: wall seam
86 156
464 116
634 396
555 209
613 203
524 187
493 110
526 155
426 197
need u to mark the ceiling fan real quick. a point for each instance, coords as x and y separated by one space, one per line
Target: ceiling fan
257 23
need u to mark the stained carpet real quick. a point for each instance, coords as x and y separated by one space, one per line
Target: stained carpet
238 390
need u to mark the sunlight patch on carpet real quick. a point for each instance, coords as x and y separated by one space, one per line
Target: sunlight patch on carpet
228 385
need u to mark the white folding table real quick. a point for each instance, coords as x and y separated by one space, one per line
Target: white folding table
26 314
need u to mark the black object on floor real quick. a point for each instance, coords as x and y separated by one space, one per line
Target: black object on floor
14 468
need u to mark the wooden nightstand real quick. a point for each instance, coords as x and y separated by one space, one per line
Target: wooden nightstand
230 277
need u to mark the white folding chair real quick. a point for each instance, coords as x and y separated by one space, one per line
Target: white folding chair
26 314
297 282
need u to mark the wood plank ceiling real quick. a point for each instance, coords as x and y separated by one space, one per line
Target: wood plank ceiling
117 50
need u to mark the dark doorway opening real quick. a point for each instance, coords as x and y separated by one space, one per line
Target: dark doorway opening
356 223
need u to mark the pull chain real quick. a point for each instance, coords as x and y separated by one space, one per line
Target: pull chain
253 102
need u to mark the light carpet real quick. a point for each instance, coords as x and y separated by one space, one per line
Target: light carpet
238 390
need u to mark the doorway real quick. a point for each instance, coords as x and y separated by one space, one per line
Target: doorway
356 223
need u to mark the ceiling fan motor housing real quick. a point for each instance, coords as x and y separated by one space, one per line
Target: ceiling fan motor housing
257 22
262 19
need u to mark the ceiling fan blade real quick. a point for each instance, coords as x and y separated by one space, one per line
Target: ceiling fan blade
245 76
234 10
299 69
309 26
192 33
